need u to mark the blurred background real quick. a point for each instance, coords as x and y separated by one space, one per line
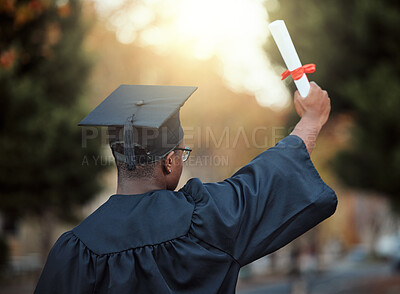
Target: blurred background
60 58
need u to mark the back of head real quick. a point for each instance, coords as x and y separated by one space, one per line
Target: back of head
145 164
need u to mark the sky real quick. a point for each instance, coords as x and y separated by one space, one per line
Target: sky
232 31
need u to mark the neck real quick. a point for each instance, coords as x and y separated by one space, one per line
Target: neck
138 186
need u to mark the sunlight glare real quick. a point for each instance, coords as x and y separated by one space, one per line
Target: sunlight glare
234 31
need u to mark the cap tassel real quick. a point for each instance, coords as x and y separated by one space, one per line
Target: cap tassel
129 147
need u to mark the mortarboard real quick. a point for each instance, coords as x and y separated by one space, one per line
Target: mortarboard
148 116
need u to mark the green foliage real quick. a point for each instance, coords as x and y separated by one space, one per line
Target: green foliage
43 74
356 46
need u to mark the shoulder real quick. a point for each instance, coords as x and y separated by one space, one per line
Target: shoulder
207 194
193 189
67 246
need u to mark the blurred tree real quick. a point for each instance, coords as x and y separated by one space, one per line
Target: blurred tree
356 46
43 74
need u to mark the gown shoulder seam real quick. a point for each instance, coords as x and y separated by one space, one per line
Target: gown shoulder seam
132 248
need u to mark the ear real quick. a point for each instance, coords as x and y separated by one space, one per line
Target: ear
168 162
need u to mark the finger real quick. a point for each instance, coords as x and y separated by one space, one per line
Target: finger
314 88
298 106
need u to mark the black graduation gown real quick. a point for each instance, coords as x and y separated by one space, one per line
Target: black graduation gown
196 239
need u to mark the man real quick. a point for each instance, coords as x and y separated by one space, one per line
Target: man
149 239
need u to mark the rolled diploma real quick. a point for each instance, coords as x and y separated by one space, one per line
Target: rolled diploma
285 45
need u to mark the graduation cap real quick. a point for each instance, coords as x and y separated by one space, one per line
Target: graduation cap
142 117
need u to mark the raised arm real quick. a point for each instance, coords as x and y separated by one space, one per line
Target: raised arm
273 199
314 112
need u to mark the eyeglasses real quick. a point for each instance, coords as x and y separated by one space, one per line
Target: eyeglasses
185 153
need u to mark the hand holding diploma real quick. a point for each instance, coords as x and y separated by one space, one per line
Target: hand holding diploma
295 69
314 112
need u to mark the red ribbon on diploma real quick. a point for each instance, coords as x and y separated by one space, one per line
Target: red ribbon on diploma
298 72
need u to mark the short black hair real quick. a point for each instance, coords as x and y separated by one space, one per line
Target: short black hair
143 169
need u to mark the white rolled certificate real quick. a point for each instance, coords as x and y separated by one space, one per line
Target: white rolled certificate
285 45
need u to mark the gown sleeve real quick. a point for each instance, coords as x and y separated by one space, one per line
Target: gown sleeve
70 268
269 202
